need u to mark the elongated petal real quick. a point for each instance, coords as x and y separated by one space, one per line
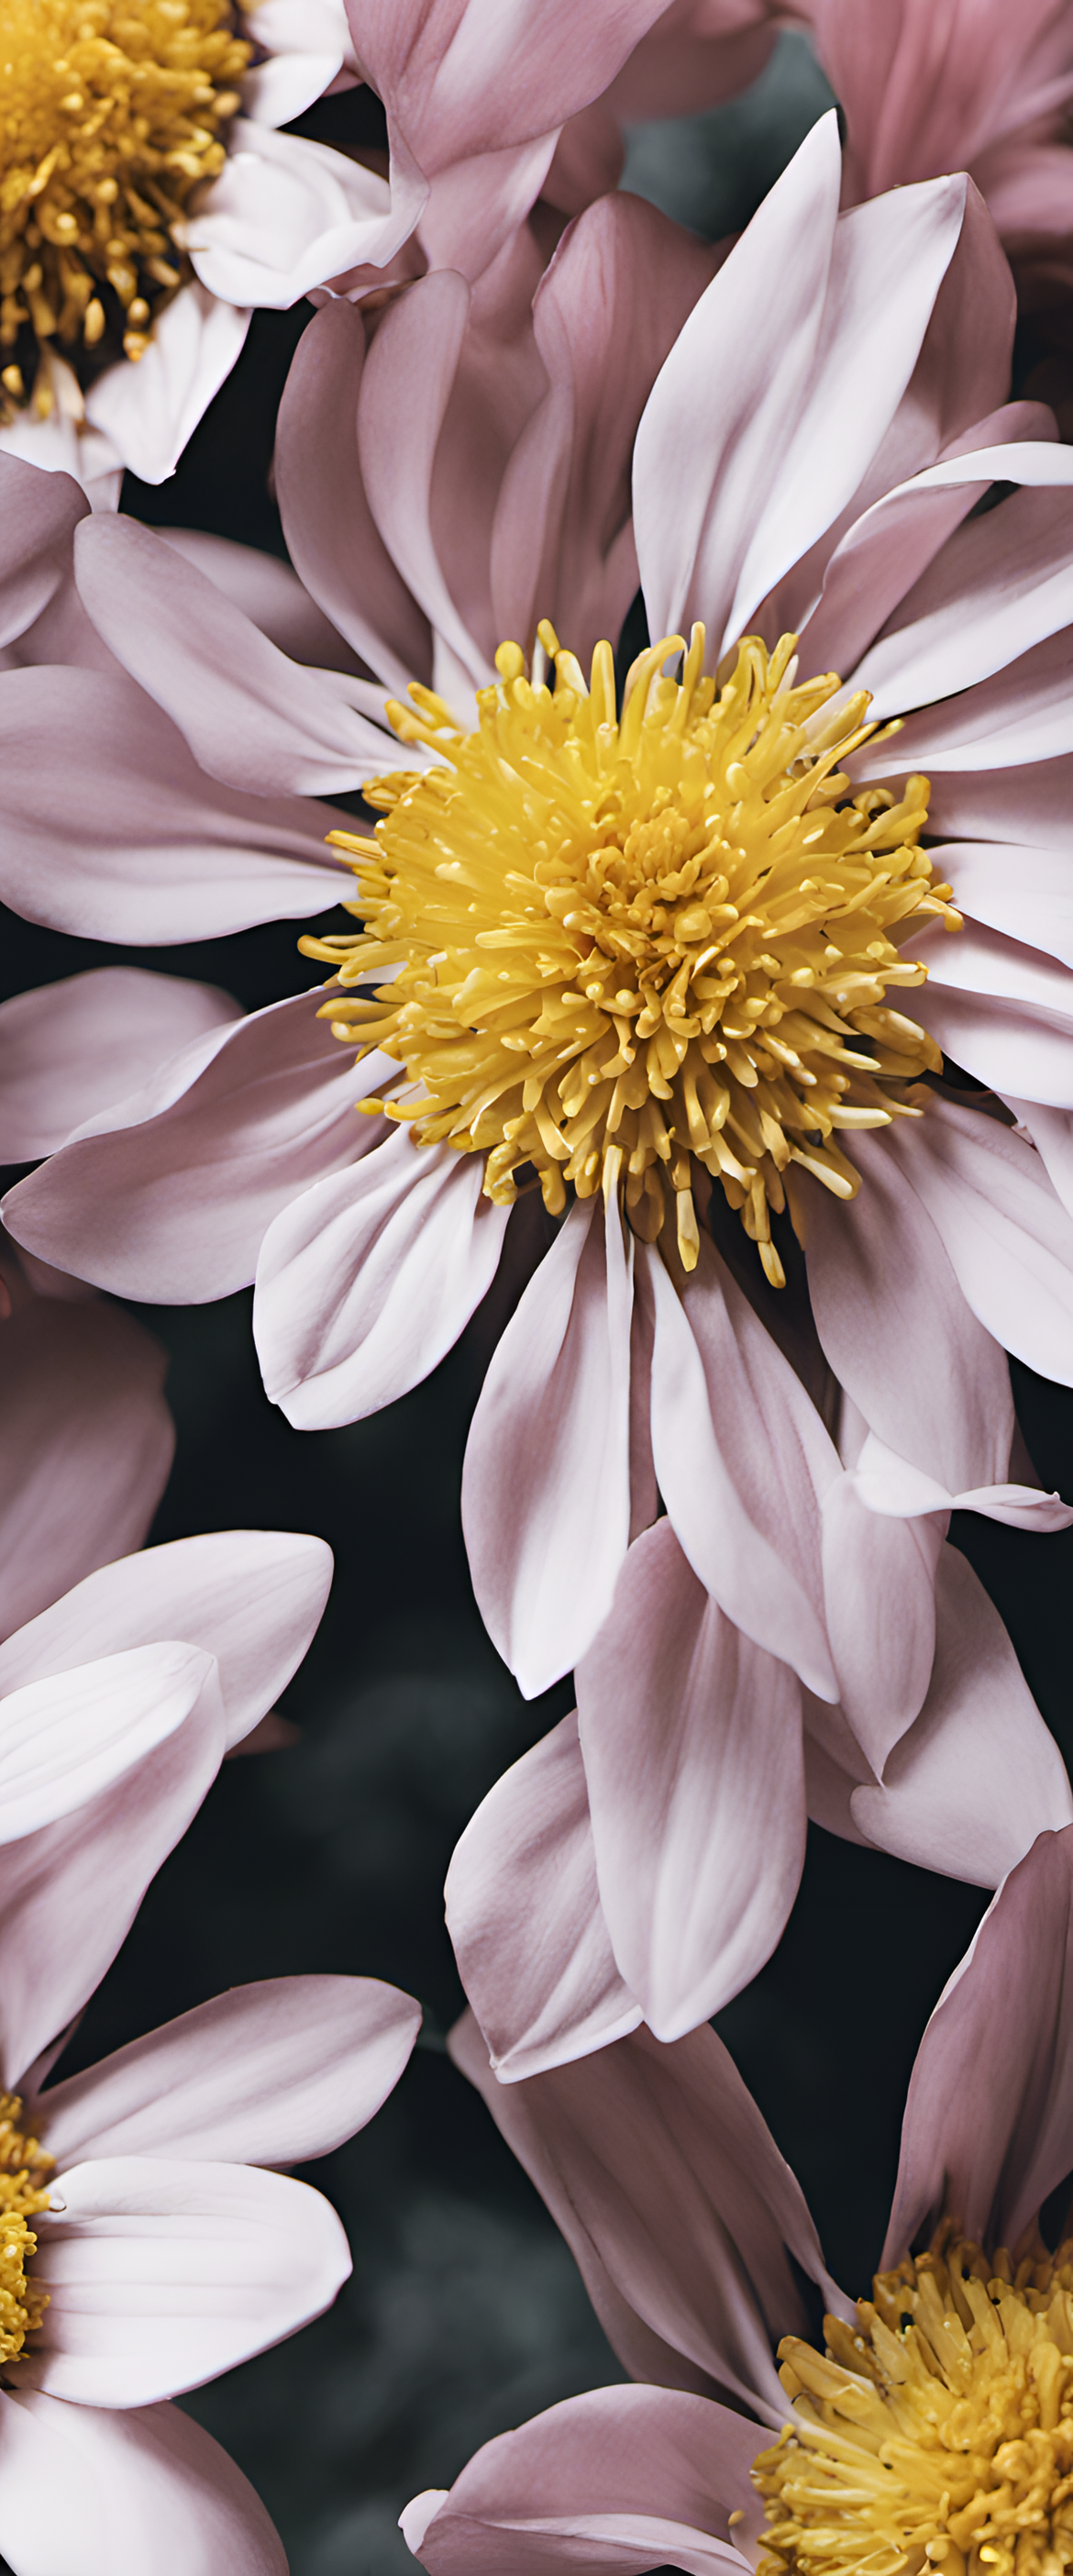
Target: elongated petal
1000 585
692 1746
69 1049
147 2490
675 2202
621 2478
524 1914
39 519
546 1481
87 1442
150 411
65 1739
269 2074
888 1486
405 390
168 1194
1005 1232
365 1281
251 1598
989 2115
1003 1010
285 214
161 2274
879 1576
162 852
1021 891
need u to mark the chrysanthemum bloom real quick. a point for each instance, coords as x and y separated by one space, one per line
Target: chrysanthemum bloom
671 885
935 2426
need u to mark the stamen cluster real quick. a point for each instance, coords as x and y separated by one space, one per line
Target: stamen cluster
939 2433
643 952
110 115
24 2165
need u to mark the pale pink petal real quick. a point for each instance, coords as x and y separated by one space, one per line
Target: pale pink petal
68 1737
333 538
1002 1010
692 1744
1000 585
149 412
546 1480
707 1448
1006 1234
457 79
886 1484
979 1775
40 518
1021 716
523 1912
68 1049
989 2116
268 2074
879 1579
147 2490
169 1193
1023 892
618 2479
250 716
87 1443
161 2274
405 389
268 591
1051 1131
251 1598
675 2203
162 853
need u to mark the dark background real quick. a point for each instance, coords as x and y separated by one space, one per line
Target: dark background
465 2313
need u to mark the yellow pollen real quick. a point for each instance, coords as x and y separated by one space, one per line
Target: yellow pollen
643 952
24 2165
939 2433
111 113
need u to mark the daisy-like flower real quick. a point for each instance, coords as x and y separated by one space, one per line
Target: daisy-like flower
934 2427
660 957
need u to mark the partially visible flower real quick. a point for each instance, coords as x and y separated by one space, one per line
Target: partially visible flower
935 2428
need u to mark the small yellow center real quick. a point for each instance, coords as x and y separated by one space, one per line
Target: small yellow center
643 952
24 2165
110 114
939 2433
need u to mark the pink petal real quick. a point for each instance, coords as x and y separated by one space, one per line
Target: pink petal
1006 1234
1020 891
270 2074
365 1281
989 2116
455 78
140 2490
69 1049
405 390
734 1437
251 717
887 1485
1002 1010
266 589
1021 716
66 1738
979 1775
546 1482
523 1912
87 1443
170 1192
675 2203
161 2274
621 2478
251 1598
879 1579
39 522
162 852
692 1744
1000 585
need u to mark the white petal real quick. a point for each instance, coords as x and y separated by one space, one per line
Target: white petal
64 1740
149 409
147 2491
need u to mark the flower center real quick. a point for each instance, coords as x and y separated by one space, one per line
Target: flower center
643 952
110 114
940 2432
24 2165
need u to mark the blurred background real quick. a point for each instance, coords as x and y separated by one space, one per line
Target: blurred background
465 2313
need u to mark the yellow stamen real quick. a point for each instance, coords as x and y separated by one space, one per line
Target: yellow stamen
939 2433
111 112
655 946
23 2167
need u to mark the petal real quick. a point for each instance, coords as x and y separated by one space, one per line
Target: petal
270 2074
979 1775
989 2115
365 1281
674 2200
68 1737
149 412
692 1744
1004 1230
460 82
1000 585
1003 1011
885 1484
879 1577
162 852
168 1194
405 389
523 1912
286 214
161 2274
268 591
251 1598
621 2478
250 716
546 1479
87 1443
68 1049
733 1439
145 2491
39 522
1023 892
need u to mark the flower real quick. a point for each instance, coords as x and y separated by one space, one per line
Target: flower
938 2417
769 496
143 216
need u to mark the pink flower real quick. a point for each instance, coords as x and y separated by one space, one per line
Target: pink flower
694 2242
